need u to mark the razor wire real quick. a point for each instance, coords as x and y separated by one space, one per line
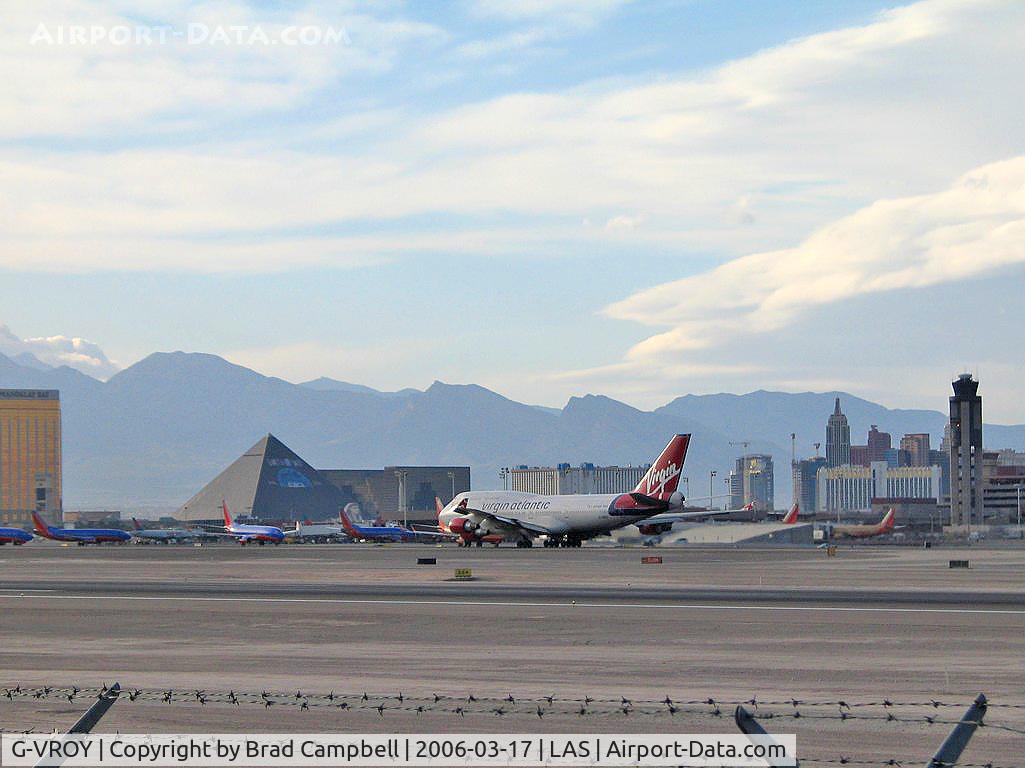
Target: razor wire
883 710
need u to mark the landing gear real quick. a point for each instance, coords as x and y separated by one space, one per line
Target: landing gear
524 544
563 541
261 542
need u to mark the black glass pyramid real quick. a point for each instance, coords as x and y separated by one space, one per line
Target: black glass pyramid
269 482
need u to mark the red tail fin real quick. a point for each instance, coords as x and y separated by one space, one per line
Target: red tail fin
227 515
438 506
663 478
791 517
347 525
886 524
136 524
40 525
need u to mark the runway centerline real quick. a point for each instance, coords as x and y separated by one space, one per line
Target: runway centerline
524 604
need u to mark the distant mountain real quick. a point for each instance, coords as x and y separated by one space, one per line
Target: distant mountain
157 431
325 384
28 360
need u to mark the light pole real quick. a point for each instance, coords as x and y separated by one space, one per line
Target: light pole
452 477
401 475
711 493
686 483
1018 494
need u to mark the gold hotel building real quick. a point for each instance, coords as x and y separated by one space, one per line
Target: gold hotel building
30 455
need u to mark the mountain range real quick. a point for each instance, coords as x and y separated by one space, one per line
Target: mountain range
155 432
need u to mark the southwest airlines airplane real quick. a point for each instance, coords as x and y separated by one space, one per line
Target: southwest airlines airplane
261 534
492 516
385 532
80 536
14 536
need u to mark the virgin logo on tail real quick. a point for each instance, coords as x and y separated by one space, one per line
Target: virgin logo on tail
662 479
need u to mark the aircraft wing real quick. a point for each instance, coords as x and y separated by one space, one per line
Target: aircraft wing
435 532
532 527
678 517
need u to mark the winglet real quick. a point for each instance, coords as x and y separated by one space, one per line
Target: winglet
227 515
791 517
438 506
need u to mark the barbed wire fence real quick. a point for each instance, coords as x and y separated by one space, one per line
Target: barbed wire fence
1002 716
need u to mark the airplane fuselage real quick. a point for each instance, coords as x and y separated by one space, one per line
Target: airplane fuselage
257 533
581 515
15 536
88 535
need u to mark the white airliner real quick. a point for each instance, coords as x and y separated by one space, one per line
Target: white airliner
477 517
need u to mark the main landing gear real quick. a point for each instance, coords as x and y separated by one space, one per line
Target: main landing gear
562 541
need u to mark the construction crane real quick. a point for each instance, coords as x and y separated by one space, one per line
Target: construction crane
744 443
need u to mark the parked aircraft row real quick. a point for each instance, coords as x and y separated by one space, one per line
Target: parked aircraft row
479 517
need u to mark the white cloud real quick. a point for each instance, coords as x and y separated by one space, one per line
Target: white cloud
74 352
624 223
179 77
810 130
971 229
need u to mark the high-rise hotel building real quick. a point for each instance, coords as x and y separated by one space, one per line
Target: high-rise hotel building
30 455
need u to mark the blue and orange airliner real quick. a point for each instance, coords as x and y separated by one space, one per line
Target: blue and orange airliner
80 536
14 536
261 534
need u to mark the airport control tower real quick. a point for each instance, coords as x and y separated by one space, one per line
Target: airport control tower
965 452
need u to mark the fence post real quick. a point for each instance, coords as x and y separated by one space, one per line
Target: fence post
747 724
952 747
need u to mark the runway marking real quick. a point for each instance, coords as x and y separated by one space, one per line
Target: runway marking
526 604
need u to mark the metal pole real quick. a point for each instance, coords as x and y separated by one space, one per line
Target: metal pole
711 493
1018 489
748 725
952 747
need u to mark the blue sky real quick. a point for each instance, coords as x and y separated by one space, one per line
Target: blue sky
641 199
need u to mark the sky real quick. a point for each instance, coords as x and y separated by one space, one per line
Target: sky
638 199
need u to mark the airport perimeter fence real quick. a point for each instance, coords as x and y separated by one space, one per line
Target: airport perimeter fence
774 714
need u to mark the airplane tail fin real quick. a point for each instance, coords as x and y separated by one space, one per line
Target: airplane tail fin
40 525
438 506
136 524
347 525
227 514
886 524
662 479
791 517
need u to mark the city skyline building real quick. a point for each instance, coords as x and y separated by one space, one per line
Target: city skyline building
30 456
564 479
852 488
838 438
917 445
751 482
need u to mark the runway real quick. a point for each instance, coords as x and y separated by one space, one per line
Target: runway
724 625
474 593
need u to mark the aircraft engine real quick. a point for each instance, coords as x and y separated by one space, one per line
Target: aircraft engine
654 529
464 526
676 500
